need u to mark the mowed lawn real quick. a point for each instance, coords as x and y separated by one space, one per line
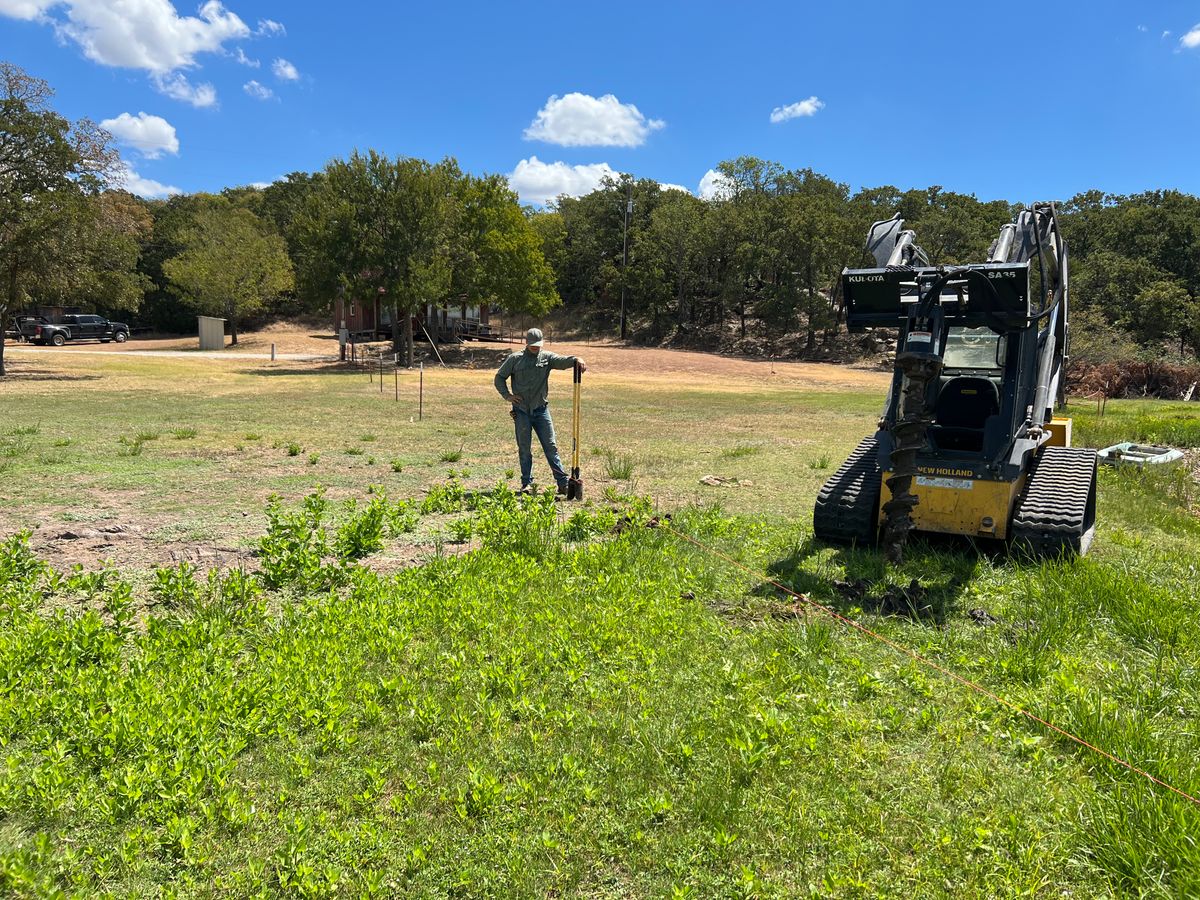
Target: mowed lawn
189 450
583 705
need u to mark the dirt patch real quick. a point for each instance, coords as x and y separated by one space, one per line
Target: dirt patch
605 357
136 545
412 554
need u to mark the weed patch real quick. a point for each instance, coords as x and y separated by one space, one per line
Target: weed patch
740 451
618 466
515 719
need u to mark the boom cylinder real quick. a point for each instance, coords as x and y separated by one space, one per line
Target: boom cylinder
1002 246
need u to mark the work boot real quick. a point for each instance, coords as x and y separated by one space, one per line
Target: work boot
561 491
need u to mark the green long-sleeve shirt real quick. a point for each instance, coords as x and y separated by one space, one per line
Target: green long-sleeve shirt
530 376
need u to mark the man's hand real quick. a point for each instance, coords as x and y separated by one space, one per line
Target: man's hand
514 399
582 365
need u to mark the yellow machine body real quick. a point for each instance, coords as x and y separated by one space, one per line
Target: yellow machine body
1060 432
954 501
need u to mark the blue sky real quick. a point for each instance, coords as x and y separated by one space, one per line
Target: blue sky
1019 105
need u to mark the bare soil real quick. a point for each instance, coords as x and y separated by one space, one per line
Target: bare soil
610 357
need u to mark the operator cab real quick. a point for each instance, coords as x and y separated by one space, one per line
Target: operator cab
969 388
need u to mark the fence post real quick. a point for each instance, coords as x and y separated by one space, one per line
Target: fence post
421 395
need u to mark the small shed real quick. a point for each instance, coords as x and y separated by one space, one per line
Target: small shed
212 333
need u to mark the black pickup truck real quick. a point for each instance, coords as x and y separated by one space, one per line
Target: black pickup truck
76 328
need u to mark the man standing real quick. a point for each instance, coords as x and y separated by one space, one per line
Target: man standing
530 373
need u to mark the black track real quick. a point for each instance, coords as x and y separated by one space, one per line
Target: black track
847 509
1056 512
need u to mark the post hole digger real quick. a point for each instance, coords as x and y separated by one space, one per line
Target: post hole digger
575 482
968 443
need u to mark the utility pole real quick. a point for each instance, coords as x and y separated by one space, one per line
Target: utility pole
625 254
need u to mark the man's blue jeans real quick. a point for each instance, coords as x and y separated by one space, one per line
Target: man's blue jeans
539 421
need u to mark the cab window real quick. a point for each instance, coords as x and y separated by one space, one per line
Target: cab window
975 349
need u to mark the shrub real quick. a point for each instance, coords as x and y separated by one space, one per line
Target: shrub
176 587
402 518
1133 378
517 523
292 550
444 498
362 533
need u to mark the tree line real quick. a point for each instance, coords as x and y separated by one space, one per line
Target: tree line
762 252
770 245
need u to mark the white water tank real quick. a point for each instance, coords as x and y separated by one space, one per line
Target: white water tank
212 333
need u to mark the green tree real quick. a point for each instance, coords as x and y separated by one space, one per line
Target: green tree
497 252
231 263
49 168
97 249
380 225
675 227
1163 311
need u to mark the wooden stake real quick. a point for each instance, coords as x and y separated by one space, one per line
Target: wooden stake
421 400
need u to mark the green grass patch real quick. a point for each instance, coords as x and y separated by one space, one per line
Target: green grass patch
618 466
1173 423
584 705
571 704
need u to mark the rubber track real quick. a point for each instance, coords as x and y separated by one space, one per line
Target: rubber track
1056 512
847 508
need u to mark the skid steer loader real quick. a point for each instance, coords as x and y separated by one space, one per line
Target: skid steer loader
968 443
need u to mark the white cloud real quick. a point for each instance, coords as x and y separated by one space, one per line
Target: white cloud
715 186
1191 39
540 182
284 70
24 9
152 136
664 186
258 91
146 34
580 120
1143 29
809 107
269 28
1166 34
259 185
144 187
240 56
140 34
177 87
